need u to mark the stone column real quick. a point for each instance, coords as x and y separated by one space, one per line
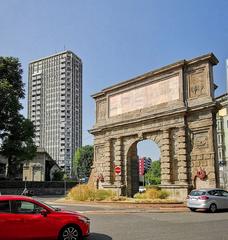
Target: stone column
118 160
107 161
165 158
182 156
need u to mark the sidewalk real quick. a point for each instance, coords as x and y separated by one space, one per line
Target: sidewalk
123 207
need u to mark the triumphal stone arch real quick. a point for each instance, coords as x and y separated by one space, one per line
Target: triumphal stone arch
175 107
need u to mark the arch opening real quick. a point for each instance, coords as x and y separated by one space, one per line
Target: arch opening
142 159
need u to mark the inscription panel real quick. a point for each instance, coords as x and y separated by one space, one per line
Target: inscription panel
146 96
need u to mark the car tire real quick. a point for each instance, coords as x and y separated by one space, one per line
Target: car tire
213 208
70 232
192 209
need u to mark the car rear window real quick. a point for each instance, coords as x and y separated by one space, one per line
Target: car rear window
197 193
4 206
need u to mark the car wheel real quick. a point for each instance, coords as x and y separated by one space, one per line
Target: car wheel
193 209
213 208
70 233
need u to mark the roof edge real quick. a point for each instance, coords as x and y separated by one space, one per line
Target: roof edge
53 55
207 57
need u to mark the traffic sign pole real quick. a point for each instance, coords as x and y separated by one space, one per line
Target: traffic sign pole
118 173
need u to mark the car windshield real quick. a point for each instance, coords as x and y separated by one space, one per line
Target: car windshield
197 193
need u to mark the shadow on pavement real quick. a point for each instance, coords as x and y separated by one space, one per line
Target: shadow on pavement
98 236
207 211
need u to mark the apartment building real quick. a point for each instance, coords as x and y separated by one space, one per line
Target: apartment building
55 105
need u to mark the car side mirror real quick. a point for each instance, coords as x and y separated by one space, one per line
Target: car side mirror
44 212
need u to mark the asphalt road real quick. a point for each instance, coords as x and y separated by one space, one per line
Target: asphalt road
119 225
159 226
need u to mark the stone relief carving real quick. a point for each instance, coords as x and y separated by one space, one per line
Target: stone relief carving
197 85
200 140
101 110
99 153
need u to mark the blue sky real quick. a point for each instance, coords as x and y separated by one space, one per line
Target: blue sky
116 39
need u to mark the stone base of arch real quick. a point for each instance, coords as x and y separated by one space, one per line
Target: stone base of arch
177 191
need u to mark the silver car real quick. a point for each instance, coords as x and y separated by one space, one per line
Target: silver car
209 199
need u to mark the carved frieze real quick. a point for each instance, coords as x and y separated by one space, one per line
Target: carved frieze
200 140
101 110
197 84
99 153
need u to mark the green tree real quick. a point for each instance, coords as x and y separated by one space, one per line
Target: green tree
18 144
83 160
11 91
153 175
58 175
16 132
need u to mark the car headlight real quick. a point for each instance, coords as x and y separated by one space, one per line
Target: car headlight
84 219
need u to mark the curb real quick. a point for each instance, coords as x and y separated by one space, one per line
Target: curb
153 208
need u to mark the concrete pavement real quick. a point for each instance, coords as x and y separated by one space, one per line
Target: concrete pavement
115 207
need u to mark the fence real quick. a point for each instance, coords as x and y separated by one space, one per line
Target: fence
38 188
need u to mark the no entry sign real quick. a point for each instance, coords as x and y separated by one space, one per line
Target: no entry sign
117 169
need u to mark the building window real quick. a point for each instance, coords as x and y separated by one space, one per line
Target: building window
220 155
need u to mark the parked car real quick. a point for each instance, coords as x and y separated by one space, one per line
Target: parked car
25 218
208 199
142 189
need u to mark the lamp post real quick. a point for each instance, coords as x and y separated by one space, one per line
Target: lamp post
25 182
64 180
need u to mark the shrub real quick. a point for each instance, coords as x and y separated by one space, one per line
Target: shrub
84 192
103 194
57 175
163 194
152 193
120 198
140 196
153 187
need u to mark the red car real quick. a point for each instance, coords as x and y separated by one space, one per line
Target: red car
25 218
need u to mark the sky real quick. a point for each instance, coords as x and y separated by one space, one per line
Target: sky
116 39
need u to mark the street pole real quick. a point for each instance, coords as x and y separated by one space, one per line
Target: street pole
119 188
64 187
25 182
143 180
64 179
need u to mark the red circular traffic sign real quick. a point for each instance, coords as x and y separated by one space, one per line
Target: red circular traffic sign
117 169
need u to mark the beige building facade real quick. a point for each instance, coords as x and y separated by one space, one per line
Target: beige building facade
40 168
174 106
222 139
